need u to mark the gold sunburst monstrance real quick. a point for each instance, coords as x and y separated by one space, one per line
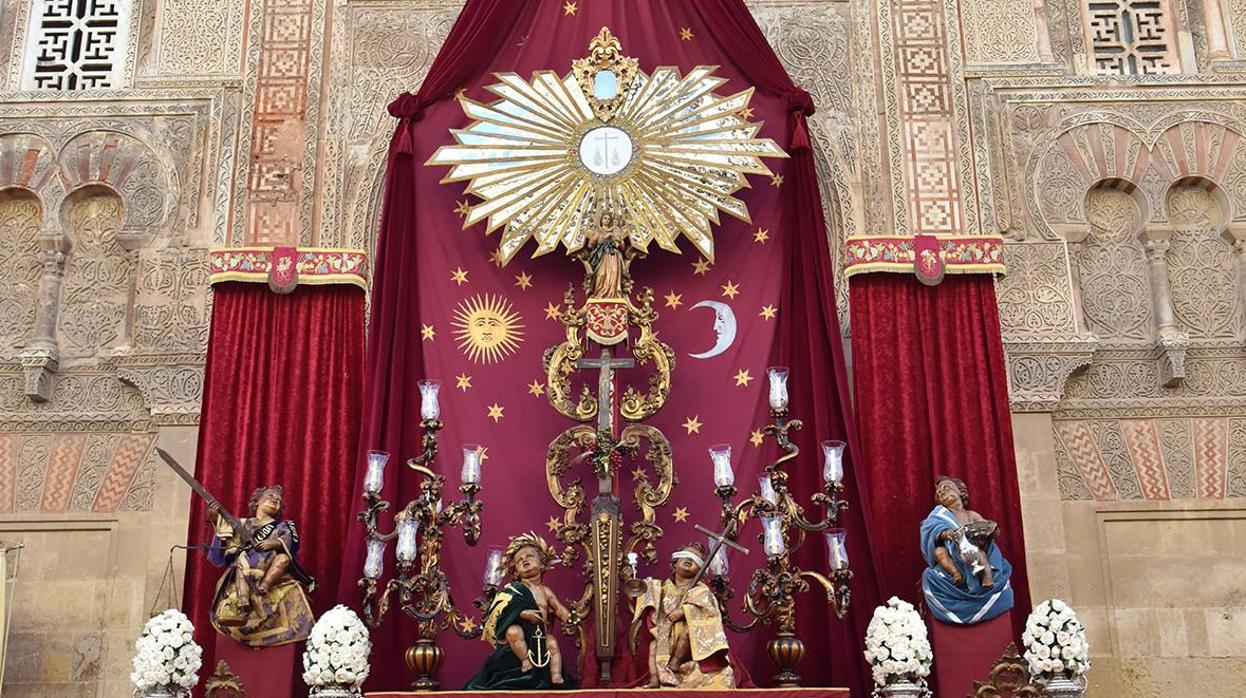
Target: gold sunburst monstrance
663 150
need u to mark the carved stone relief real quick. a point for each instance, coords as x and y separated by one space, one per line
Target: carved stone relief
997 32
1202 269
1112 268
95 288
20 218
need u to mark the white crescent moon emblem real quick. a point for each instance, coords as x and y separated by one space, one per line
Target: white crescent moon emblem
724 328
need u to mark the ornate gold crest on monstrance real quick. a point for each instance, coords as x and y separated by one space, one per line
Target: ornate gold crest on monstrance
604 161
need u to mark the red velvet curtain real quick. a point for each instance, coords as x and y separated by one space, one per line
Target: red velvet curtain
280 406
932 399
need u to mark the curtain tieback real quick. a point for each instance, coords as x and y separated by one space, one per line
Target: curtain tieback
799 104
408 109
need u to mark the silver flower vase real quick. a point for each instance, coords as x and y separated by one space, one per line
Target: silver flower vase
1061 687
164 692
335 691
902 689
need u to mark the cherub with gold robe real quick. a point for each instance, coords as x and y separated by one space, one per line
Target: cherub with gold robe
689 646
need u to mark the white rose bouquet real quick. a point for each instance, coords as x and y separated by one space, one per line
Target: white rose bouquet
896 645
1055 642
166 657
337 652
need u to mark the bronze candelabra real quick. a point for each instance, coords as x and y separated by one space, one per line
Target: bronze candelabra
771 595
423 589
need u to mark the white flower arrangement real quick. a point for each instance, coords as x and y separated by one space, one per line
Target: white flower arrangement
337 651
896 645
1055 642
166 657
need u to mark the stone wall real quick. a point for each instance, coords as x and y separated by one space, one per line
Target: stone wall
1122 198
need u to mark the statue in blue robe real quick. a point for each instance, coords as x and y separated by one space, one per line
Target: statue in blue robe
967 580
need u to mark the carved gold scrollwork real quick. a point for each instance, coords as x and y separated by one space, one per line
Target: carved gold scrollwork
648 349
647 497
560 361
558 461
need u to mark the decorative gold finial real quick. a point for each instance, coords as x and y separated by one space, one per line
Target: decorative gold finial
605 75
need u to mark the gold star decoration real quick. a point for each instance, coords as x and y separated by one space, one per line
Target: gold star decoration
685 33
768 312
536 388
552 311
552 524
742 377
524 280
693 425
484 453
463 209
761 236
700 266
746 113
731 290
467 624
674 300
463 382
458 276
680 514
496 258
756 437
638 473
777 180
427 332
568 8
495 412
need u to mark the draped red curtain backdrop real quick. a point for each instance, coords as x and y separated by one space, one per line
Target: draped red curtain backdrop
420 243
931 400
280 406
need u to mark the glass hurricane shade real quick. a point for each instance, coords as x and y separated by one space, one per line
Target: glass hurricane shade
720 455
837 549
471 464
833 461
778 387
408 533
374 477
772 536
374 563
429 407
493 567
767 489
718 563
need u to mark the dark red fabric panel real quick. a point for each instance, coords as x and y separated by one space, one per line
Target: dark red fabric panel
420 241
932 399
280 406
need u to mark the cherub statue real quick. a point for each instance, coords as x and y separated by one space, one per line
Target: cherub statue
967 578
688 648
518 624
261 600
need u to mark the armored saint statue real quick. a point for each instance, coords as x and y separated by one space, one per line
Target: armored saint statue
688 646
967 579
519 624
261 599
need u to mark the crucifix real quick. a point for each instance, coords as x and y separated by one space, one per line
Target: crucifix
606 523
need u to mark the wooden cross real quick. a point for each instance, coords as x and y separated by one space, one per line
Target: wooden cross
605 364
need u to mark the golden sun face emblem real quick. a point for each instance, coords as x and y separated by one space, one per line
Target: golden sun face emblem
487 328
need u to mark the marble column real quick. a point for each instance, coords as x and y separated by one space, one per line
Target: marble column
1171 341
1213 22
41 358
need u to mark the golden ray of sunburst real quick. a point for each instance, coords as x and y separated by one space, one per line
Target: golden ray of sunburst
691 150
487 328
